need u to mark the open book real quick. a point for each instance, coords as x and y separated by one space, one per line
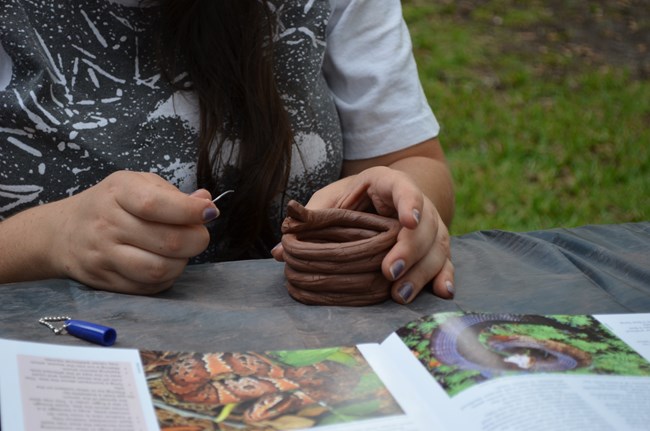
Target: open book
447 371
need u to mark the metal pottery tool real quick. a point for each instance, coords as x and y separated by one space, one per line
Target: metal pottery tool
222 195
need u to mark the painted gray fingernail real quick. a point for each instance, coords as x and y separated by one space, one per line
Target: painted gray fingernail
450 288
397 268
416 215
209 214
405 291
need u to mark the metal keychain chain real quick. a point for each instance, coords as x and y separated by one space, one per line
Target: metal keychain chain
98 334
47 321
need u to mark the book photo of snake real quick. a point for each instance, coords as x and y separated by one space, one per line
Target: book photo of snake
461 350
277 390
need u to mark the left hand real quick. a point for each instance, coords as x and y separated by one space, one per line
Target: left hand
422 252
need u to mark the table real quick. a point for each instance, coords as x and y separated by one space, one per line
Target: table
244 305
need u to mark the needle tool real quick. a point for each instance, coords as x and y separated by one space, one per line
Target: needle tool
222 195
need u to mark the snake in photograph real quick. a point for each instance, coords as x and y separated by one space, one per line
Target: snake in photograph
218 379
456 342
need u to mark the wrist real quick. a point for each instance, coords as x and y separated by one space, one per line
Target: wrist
27 246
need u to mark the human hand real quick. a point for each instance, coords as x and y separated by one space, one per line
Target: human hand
132 233
422 251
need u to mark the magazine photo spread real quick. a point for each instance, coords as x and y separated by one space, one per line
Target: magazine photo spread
447 371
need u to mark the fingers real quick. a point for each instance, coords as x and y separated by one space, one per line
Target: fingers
419 256
391 193
422 250
443 283
127 269
414 278
201 194
146 269
132 232
388 191
410 244
121 267
149 197
174 241
405 289
332 195
278 252
154 216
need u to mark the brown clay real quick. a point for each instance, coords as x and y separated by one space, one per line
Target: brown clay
333 256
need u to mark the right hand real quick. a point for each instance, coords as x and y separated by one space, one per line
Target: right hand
132 233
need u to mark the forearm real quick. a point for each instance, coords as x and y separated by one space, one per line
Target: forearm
25 246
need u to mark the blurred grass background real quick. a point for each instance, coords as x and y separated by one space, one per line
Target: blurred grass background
544 108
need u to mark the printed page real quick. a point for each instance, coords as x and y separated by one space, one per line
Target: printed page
634 329
510 372
404 377
46 386
329 389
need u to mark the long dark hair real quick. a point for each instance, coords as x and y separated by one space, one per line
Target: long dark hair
226 46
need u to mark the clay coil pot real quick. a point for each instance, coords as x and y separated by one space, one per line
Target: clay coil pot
333 256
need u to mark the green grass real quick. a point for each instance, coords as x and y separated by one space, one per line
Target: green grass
537 135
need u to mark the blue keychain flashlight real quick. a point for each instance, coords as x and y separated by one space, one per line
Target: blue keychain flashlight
93 332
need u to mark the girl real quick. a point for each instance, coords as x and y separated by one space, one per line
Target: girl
120 120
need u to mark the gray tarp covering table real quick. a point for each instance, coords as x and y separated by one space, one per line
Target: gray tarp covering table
243 305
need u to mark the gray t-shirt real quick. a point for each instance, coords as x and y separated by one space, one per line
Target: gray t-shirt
81 96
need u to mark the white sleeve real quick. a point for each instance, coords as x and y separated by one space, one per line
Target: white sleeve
370 69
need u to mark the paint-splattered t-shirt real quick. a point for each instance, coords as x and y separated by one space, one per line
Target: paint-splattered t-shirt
81 95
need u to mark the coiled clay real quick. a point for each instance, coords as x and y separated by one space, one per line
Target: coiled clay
333 256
